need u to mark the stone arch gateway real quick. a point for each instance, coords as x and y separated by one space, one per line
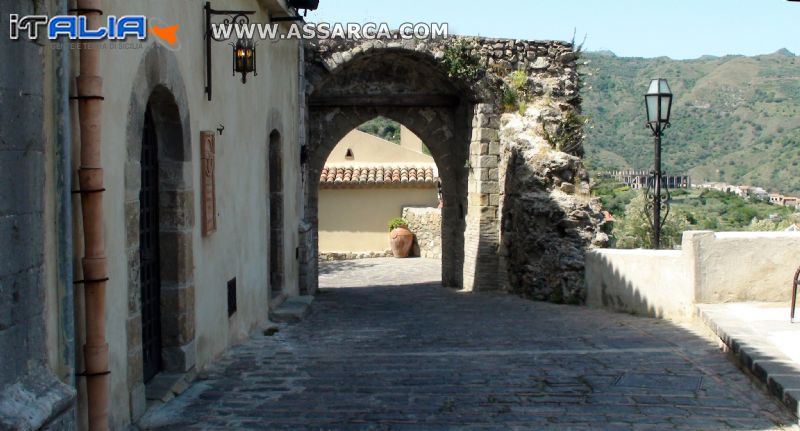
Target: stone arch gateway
449 92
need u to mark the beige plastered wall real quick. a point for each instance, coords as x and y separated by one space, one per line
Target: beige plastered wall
239 247
710 268
369 149
355 220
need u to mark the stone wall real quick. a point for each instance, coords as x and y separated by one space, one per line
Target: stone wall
349 255
31 394
426 223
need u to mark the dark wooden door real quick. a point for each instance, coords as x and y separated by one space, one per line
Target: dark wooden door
149 252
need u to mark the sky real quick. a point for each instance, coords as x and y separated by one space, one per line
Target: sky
679 29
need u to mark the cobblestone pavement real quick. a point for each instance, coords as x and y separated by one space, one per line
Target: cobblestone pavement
387 348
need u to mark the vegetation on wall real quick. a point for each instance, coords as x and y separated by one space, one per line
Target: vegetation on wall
516 92
460 62
568 137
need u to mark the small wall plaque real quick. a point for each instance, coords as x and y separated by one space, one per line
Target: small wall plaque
208 193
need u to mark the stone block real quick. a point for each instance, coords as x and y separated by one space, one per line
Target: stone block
21 237
137 401
485 134
21 178
135 368
177 314
487 162
478 199
174 175
488 187
179 359
132 209
177 262
134 332
176 209
133 181
134 281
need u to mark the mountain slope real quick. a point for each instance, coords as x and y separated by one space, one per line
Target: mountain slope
735 119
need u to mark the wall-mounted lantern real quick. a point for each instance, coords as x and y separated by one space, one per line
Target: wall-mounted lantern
244 58
307 5
244 50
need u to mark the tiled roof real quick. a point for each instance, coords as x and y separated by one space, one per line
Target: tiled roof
360 176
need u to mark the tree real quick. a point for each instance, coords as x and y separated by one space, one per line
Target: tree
634 230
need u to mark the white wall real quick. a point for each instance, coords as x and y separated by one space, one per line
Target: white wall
710 268
240 246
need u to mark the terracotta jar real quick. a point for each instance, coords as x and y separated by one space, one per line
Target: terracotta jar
401 240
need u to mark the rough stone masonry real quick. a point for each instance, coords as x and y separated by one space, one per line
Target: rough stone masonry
502 120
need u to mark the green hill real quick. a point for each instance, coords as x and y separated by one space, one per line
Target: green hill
735 119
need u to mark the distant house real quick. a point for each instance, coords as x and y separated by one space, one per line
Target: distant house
366 182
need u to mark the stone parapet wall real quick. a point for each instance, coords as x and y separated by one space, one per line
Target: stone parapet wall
336 256
426 223
710 268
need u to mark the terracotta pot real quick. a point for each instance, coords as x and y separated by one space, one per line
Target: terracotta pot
401 240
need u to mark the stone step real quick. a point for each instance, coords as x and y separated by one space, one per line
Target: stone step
293 310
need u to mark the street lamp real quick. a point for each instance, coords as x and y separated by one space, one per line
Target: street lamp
658 102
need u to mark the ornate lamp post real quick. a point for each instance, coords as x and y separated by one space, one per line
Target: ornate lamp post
658 102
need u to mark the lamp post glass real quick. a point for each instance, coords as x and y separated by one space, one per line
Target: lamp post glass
658 102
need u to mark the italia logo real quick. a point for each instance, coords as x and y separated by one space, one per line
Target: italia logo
75 28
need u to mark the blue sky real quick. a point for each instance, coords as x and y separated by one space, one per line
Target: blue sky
685 28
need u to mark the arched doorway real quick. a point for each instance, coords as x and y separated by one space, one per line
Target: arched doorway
276 258
159 210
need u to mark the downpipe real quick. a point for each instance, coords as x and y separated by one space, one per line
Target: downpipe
94 263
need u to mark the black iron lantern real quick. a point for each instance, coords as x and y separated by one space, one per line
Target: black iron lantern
244 58
658 101
304 4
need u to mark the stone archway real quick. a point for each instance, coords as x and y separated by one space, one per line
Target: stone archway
413 88
517 212
158 88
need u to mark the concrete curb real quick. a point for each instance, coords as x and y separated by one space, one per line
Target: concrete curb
780 376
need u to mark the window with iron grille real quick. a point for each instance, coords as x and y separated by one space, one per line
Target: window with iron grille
231 297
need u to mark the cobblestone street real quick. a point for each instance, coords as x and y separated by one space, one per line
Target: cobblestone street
387 348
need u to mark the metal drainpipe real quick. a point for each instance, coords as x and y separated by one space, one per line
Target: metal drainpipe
95 265
64 202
